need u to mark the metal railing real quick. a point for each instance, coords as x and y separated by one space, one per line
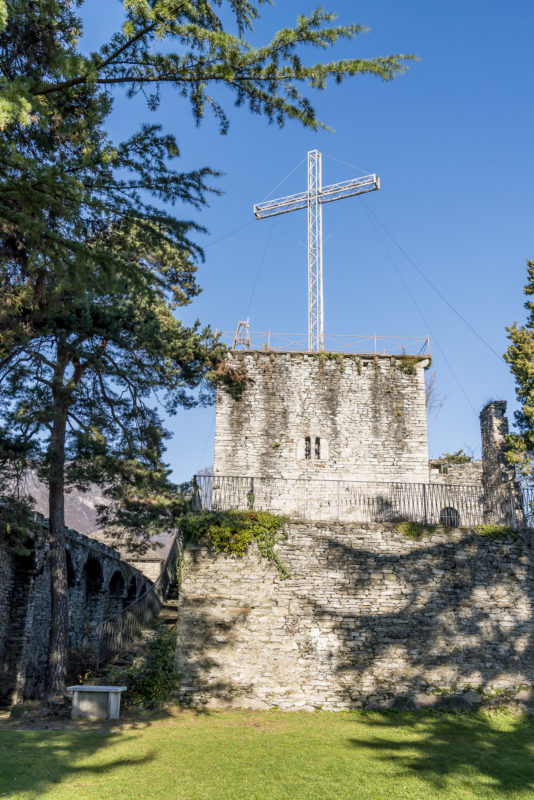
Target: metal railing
269 341
527 502
353 501
117 631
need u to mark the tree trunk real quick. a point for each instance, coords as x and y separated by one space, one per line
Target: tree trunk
59 623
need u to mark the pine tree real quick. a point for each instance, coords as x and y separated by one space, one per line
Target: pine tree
51 106
520 356
82 389
91 271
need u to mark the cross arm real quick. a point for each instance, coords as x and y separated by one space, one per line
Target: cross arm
271 208
338 191
328 194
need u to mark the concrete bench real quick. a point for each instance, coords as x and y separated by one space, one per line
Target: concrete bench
96 702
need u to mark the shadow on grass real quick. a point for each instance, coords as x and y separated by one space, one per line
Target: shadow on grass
494 750
34 761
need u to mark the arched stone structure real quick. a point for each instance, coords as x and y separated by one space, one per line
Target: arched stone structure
449 517
15 643
97 578
132 592
116 594
143 588
93 576
71 572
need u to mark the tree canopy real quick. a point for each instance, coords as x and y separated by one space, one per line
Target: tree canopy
458 457
61 178
94 259
520 356
185 43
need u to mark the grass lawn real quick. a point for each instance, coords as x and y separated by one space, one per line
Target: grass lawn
276 756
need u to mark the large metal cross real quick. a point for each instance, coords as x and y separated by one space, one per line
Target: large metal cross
313 200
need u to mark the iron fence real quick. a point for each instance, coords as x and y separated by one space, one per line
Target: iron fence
116 631
527 502
352 501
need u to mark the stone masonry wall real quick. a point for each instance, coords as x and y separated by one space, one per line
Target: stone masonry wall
6 587
469 474
368 413
367 615
100 584
494 429
498 476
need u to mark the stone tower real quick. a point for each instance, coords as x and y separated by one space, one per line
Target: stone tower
503 499
496 471
325 416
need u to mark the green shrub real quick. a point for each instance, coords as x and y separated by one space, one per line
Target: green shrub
152 682
233 532
407 364
458 457
417 530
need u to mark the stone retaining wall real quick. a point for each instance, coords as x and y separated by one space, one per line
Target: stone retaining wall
367 615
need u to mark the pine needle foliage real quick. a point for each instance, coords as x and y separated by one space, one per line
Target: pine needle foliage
94 260
458 457
520 356
55 159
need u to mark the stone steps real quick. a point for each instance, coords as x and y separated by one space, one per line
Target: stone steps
136 649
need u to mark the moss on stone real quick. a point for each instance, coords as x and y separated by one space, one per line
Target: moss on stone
495 530
415 530
407 364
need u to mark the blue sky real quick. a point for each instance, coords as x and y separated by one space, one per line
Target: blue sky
451 140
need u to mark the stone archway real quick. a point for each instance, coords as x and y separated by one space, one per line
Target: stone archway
71 572
132 592
116 592
449 517
93 576
93 584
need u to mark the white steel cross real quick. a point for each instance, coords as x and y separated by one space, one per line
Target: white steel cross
313 200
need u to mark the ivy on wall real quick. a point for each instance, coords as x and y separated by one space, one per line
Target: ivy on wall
233 532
